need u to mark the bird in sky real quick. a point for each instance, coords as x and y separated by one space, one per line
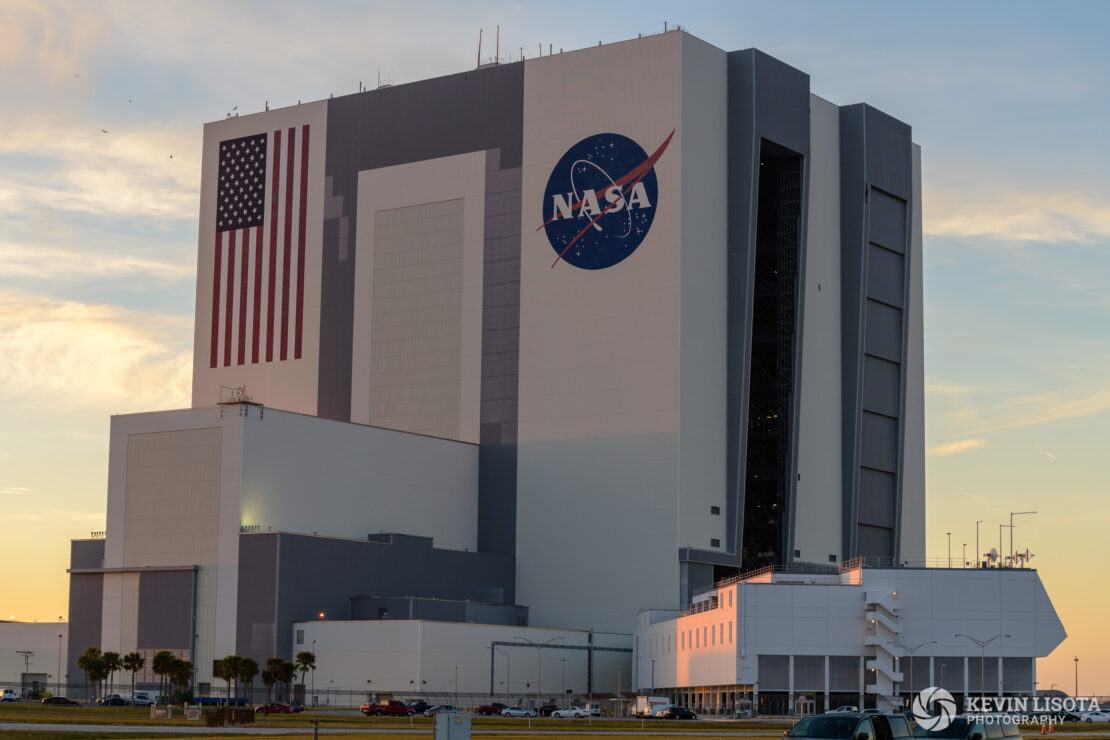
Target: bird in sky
103 131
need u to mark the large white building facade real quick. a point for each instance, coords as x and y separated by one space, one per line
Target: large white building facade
520 347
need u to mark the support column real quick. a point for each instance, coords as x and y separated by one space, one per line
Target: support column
932 674
826 684
1000 675
862 682
967 692
790 684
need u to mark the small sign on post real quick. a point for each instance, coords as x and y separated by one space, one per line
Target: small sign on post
192 713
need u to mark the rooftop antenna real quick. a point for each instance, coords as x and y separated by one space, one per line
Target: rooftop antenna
497 48
479 47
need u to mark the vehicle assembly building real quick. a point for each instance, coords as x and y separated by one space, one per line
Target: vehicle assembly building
525 361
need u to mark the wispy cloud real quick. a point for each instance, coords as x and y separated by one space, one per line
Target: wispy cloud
14 491
1028 411
955 448
1046 453
68 354
986 212
45 263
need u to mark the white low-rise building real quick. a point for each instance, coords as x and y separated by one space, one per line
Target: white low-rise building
795 642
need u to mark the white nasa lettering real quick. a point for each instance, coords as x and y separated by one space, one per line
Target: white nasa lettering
639 195
562 205
615 197
590 206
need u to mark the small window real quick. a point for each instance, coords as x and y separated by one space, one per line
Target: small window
832 558
715 510
300 637
683 640
730 633
730 597
714 542
383 612
713 635
797 553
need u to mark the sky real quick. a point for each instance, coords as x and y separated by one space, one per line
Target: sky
99 186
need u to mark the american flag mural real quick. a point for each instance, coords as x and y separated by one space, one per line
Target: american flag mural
258 271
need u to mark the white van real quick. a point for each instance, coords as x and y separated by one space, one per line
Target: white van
9 695
144 699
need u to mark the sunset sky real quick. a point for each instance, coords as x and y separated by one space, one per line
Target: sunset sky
99 184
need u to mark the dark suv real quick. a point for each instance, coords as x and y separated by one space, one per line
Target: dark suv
989 727
852 726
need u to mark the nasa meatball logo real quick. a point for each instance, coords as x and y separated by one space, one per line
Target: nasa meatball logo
601 200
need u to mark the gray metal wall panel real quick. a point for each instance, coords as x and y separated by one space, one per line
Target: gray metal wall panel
883 326
256 603
767 99
86 554
881 386
165 610
876 498
479 110
321 574
875 541
887 221
886 273
878 442
86 607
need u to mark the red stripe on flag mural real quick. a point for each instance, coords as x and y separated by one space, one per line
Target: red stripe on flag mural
288 244
300 244
215 355
257 292
276 160
243 259
229 308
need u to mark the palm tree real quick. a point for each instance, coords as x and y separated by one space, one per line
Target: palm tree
180 672
234 663
306 661
89 664
220 670
161 665
248 669
268 681
276 668
112 664
134 663
288 673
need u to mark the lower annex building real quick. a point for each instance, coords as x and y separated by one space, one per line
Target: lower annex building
520 356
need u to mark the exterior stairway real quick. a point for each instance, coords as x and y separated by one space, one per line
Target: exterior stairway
883 627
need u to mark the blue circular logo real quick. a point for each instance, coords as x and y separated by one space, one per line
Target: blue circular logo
601 200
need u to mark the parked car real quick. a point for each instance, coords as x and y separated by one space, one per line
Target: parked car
488 709
673 711
115 700
61 701
848 725
1103 715
9 695
547 709
433 711
419 706
518 712
392 707
872 711
143 699
846 709
572 713
274 707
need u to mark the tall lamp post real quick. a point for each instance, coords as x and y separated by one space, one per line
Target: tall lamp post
567 698
1077 677
949 548
911 651
538 662
59 673
982 658
508 671
313 674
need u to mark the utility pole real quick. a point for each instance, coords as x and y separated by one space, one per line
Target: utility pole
978 554
59 678
911 651
313 674
1076 677
538 662
565 694
456 687
949 548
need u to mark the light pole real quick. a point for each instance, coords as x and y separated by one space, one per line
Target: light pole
949 548
508 672
1012 515
983 655
977 553
59 673
653 675
911 651
564 662
965 556
313 673
538 670
456 687
1076 695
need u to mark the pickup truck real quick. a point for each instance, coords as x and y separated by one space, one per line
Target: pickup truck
488 709
387 707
